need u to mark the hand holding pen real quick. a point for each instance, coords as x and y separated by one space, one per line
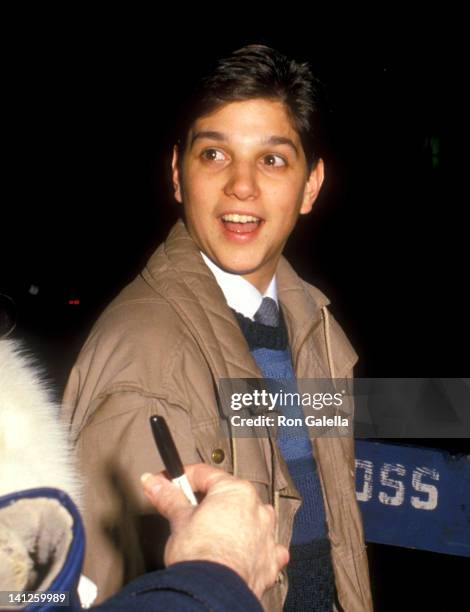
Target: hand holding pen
230 526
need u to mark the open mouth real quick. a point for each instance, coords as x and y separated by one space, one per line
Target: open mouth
241 224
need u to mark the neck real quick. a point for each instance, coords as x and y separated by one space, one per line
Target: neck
259 279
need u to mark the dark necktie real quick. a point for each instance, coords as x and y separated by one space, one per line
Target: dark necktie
267 313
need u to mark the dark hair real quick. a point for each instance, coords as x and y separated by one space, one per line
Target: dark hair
258 71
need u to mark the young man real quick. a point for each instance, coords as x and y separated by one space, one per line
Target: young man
218 300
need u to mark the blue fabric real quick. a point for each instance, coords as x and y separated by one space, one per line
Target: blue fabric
192 586
295 446
67 578
310 569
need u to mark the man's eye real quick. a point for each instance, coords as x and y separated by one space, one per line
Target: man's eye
275 160
213 155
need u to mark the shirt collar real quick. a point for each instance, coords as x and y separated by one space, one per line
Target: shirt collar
240 294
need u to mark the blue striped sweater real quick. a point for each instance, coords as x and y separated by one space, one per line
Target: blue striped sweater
310 572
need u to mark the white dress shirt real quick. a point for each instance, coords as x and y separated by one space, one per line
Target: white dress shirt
240 294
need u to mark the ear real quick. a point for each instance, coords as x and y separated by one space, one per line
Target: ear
313 186
175 175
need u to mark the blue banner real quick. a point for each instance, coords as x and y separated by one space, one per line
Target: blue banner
414 497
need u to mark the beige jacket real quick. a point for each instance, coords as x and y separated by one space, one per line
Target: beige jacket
161 347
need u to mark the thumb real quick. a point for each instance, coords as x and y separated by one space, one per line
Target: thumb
168 499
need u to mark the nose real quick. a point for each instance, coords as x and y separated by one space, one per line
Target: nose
242 182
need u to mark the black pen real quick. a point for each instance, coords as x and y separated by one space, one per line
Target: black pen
170 456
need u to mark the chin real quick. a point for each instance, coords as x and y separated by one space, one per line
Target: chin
240 269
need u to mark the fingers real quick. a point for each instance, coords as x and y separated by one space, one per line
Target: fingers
282 556
278 560
202 476
168 498
269 510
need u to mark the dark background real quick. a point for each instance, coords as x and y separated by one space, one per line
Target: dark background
90 106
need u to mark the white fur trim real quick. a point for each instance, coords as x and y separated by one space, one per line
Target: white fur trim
34 446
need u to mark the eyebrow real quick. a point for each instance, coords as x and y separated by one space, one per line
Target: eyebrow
272 140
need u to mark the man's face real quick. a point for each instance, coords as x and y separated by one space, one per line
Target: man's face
244 182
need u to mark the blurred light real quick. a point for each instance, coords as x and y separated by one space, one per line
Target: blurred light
33 289
74 302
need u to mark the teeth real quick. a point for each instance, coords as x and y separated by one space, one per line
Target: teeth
240 218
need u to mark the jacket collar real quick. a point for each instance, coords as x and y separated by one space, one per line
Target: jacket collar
188 284
301 304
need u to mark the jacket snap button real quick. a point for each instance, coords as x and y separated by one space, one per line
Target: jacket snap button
218 455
